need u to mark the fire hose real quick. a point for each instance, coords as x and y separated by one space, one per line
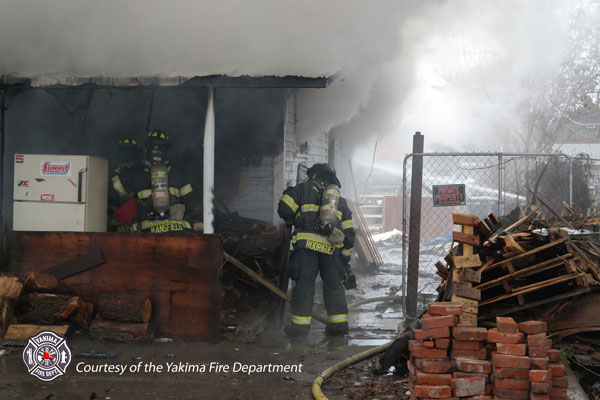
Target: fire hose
323 376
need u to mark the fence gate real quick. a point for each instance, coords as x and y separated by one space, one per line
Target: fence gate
474 183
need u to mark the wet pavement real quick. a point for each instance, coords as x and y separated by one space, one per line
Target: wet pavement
181 376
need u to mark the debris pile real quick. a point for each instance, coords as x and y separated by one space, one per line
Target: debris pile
526 274
39 302
451 359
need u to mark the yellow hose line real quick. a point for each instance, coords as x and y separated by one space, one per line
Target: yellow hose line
328 373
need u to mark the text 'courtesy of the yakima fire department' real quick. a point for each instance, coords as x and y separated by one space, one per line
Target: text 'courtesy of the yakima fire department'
212 367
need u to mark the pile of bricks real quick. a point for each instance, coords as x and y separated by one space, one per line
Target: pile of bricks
450 359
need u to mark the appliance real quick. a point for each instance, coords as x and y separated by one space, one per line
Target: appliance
60 193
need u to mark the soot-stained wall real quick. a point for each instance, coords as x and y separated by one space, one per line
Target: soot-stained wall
249 132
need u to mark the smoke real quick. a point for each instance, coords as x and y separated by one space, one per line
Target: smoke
456 70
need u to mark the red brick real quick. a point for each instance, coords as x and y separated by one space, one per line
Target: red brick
439 321
539 396
536 341
445 308
433 392
442 343
469 333
435 366
516 384
412 344
540 375
553 355
422 352
559 393
512 349
424 378
539 362
428 344
511 394
548 344
511 373
558 370
423 334
506 324
537 352
482 397
466 345
473 366
560 381
494 336
473 386
508 361
541 387
480 354
532 327
459 374
489 389
465 324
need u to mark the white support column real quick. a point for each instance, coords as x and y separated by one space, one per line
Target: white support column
208 183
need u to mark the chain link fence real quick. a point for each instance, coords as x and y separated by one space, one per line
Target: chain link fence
493 182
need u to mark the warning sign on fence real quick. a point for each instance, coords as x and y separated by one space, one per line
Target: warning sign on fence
449 195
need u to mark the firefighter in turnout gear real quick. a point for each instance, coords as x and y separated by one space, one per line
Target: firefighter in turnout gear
163 192
323 233
122 205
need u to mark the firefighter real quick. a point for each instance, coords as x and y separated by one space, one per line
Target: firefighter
323 232
163 192
122 205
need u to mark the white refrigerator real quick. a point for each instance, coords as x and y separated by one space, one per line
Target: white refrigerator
60 193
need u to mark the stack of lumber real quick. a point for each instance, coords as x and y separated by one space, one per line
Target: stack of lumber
38 303
364 244
123 318
526 274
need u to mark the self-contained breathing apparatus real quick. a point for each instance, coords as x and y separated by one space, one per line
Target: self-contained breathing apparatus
328 217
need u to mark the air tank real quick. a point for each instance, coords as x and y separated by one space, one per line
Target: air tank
160 187
329 205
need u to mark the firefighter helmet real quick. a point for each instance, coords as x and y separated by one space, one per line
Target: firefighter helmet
157 143
128 150
324 171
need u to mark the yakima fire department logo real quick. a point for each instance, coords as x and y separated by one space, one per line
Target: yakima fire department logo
47 356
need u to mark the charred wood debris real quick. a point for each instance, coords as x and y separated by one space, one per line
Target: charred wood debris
542 266
42 302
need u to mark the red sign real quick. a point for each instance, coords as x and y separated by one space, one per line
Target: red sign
449 195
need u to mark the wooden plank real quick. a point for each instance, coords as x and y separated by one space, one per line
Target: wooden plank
471 261
465 219
511 269
462 290
513 310
442 270
492 217
516 224
25 331
465 238
468 317
466 275
10 290
484 229
548 264
511 247
120 331
528 253
76 265
532 288
469 305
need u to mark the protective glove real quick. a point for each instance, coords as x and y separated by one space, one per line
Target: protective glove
336 237
128 210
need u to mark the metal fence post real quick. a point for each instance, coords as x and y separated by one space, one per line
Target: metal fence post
414 241
500 201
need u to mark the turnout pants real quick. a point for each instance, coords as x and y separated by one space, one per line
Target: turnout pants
303 268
